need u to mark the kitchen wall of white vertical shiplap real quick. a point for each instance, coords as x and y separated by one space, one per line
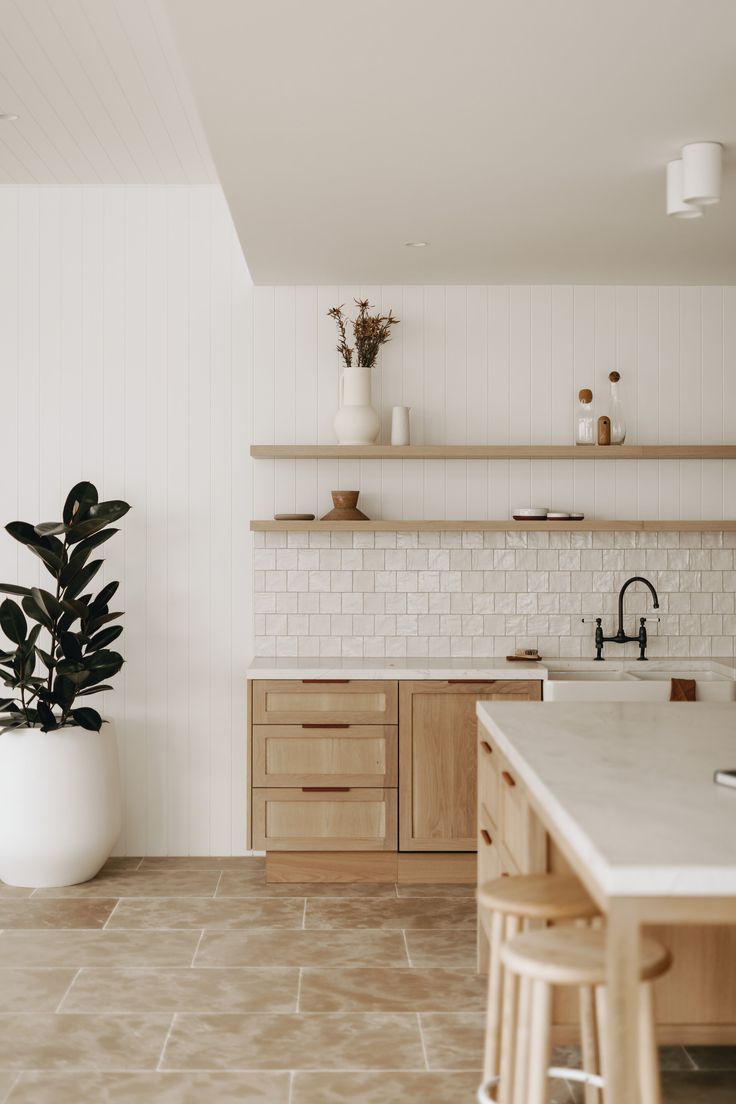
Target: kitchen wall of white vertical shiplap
125 358
502 365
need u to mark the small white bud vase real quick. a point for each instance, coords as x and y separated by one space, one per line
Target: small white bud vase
356 422
400 425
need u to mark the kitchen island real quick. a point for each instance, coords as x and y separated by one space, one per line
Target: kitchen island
624 795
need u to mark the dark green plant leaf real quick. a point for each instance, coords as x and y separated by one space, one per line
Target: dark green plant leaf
33 637
103 638
35 612
46 659
47 717
96 623
78 501
46 602
64 691
94 690
50 549
74 608
50 528
74 672
112 510
104 596
70 646
7 703
12 621
11 588
83 577
88 718
80 553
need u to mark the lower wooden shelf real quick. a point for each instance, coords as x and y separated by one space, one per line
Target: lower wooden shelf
587 526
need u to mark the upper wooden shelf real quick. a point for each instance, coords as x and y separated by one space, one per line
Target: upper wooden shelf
592 525
493 452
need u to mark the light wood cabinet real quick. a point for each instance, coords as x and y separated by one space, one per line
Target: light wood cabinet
332 701
325 755
324 820
437 753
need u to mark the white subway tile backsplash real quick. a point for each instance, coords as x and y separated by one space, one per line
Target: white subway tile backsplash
482 598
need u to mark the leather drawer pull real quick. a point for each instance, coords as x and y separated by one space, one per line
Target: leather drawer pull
471 682
325 789
326 682
486 747
318 725
486 837
507 778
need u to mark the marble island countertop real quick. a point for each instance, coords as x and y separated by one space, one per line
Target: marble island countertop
629 788
498 667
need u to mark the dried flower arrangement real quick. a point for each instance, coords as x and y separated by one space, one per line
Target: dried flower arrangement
370 332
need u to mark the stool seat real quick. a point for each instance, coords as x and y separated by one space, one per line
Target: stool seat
538 897
575 956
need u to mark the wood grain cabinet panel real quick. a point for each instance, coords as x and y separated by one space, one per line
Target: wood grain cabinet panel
324 755
323 820
293 701
438 749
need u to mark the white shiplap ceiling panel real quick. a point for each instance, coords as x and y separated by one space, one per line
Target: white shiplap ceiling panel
101 96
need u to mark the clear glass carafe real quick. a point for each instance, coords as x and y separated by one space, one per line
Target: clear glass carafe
584 427
618 422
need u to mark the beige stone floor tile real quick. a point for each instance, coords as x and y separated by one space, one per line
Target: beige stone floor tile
183 990
442 890
391 990
301 948
321 1041
204 862
223 913
435 912
36 913
151 1088
81 1042
97 948
238 883
7 1080
453 1040
142 883
28 990
454 949
121 862
8 891
386 1087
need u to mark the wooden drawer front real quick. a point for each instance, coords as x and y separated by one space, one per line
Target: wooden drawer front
297 702
514 817
489 776
300 755
300 820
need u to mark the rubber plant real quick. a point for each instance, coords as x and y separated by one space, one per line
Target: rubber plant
78 626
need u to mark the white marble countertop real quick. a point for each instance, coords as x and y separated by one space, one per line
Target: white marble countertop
441 668
498 667
630 788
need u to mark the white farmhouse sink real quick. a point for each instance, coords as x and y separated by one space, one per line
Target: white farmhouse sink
634 685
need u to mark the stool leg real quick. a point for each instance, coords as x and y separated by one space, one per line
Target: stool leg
493 1009
508 1030
539 1042
600 1015
522 1041
589 1041
648 1055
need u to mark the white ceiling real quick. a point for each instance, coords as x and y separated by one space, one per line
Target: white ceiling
101 96
524 139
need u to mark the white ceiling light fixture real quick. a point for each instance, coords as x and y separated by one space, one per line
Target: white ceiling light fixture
701 172
8 117
416 245
676 205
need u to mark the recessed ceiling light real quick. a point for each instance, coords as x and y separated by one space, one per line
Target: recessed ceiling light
8 117
416 245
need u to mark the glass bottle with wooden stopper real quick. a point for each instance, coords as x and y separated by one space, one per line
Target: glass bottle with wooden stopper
618 422
584 429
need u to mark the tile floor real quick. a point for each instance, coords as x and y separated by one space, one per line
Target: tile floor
190 980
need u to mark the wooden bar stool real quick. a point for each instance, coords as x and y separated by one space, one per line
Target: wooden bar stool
567 957
508 905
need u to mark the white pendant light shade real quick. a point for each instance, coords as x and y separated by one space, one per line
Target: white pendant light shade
701 172
676 204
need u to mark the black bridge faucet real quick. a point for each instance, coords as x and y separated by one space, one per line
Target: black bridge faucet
621 637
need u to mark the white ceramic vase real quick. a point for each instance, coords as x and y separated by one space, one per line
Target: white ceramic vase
356 422
60 804
400 425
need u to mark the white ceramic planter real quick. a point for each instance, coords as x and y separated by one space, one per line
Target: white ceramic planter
60 804
356 422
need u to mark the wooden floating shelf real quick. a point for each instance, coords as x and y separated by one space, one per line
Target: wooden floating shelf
493 452
384 526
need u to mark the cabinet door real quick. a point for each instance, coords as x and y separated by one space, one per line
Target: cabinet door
325 755
328 701
437 760
324 819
